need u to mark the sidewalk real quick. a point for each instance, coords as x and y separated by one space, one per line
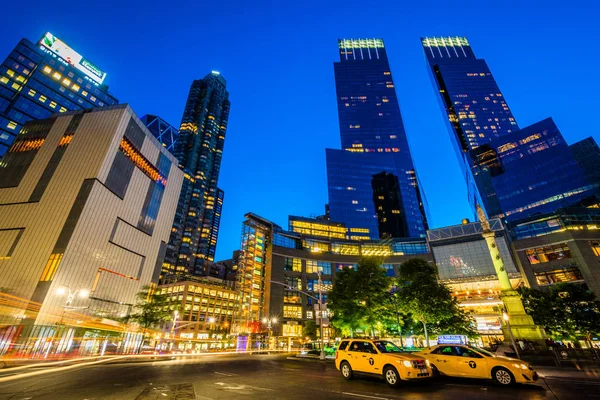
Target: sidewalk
592 373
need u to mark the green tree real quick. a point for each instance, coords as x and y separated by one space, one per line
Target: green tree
565 310
359 298
309 330
151 310
430 302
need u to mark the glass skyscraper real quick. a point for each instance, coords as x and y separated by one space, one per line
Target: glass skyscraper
373 141
37 80
199 150
511 172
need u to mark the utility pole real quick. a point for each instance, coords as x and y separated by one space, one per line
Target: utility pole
322 355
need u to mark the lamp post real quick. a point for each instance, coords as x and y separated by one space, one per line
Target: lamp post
65 290
269 322
506 318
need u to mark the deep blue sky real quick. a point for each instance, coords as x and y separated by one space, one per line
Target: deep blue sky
277 58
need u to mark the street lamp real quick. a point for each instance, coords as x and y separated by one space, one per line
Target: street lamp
270 322
506 318
61 291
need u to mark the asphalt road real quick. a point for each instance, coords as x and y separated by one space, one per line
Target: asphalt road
265 377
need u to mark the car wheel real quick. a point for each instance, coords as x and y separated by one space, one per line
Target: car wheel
346 370
503 376
391 376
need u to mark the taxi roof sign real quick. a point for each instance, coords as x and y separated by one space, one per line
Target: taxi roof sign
452 339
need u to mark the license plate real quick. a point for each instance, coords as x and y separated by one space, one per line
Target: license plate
423 370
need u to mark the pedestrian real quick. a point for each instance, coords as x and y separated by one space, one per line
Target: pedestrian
521 344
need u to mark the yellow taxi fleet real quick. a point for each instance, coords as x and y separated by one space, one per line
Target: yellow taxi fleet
381 358
468 362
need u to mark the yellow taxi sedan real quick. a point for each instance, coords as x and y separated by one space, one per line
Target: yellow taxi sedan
470 362
380 358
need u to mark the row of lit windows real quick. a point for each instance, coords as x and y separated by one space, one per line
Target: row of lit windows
141 162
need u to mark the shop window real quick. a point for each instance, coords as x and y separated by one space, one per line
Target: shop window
545 254
559 275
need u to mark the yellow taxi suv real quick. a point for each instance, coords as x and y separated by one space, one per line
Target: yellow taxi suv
379 358
470 362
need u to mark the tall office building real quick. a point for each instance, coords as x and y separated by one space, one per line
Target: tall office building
199 150
37 80
511 172
373 141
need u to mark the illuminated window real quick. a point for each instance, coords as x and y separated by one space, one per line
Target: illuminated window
43 99
67 81
23 145
84 93
4 79
292 312
56 75
53 104
141 162
31 92
75 87
293 264
354 201
16 86
51 267
62 109
545 254
558 275
47 69
11 125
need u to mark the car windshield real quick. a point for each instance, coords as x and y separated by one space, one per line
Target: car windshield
387 347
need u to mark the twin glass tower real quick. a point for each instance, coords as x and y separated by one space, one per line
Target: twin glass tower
373 141
511 172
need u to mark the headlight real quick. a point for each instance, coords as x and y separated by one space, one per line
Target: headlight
524 366
407 364
520 366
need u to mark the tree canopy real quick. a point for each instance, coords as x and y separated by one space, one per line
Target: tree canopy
430 302
150 310
359 297
367 299
565 310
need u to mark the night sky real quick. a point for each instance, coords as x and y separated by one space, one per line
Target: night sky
277 58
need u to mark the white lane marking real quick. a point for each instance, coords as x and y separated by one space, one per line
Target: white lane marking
224 374
365 396
240 387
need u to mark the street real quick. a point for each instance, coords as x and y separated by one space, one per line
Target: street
267 377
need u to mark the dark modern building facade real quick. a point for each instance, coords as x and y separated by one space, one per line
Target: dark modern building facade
43 78
163 131
512 172
199 150
587 153
560 247
388 206
373 141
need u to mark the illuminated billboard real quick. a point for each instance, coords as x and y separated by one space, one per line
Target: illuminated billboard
58 47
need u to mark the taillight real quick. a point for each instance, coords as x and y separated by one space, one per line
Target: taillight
336 354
